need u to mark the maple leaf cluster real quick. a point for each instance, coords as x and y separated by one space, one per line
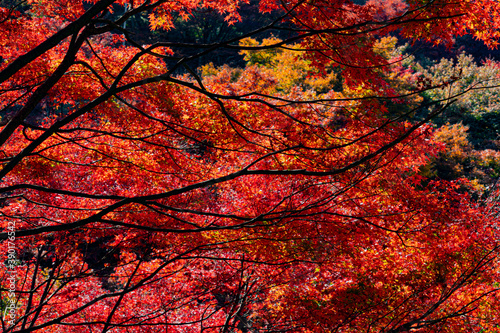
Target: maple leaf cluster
143 192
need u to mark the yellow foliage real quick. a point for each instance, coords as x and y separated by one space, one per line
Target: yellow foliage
208 70
264 57
386 47
287 64
455 139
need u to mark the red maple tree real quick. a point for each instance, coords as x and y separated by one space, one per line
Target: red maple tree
140 194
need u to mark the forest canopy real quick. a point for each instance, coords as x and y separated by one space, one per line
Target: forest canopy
249 166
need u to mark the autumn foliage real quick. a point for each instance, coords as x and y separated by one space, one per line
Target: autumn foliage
142 193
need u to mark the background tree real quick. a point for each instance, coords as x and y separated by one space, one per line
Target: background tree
475 88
